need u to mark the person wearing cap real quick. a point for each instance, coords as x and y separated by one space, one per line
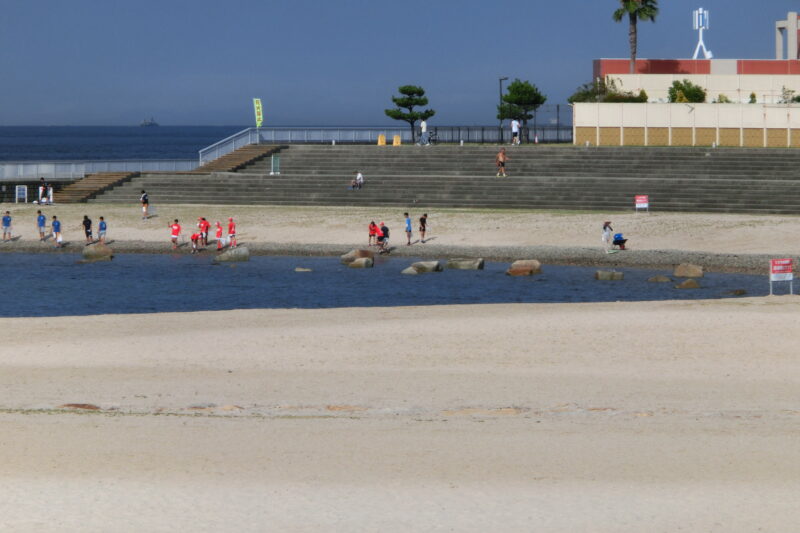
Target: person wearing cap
606 236
383 238
231 232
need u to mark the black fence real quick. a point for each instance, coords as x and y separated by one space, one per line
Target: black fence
550 124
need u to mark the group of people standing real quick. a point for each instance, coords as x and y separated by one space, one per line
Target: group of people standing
55 229
200 237
379 233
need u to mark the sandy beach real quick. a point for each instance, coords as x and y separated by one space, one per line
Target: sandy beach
653 416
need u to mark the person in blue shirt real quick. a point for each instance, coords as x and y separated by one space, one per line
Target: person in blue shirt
56 225
101 230
7 226
408 228
41 222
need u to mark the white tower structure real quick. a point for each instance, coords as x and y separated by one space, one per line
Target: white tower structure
701 23
791 27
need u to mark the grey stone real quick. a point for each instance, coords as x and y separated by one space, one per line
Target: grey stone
427 266
409 271
609 275
688 284
466 264
533 264
352 255
97 252
659 279
361 262
233 255
688 270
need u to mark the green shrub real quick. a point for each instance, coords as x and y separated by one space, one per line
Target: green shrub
686 91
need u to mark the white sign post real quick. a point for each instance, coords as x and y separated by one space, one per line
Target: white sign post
781 270
642 201
21 193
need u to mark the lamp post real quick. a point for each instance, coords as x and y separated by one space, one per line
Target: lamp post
500 110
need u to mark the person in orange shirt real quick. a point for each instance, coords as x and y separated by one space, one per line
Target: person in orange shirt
231 233
219 235
373 233
175 232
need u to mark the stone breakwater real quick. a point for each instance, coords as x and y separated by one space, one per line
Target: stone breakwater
553 255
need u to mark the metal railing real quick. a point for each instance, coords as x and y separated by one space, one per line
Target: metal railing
16 170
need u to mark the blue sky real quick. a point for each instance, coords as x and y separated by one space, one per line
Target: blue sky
326 62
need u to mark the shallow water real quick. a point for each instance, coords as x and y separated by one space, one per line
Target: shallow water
56 285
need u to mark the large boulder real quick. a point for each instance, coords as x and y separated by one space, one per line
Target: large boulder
688 284
352 255
409 271
97 252
465 264
233 255
361 262
660 279
688 270
533 264
427 266
609 275
521 271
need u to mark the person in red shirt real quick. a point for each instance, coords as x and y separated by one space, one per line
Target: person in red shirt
231 233
204 226
175 232
219 236
373 233
195 239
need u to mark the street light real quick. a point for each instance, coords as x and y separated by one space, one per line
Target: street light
500 110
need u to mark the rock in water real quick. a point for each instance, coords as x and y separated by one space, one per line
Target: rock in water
361 262
533 264
301 269
409 270
465 264
427 266
352 255
688 284
233 255
520 271
97 252
659 279
688 270
609 275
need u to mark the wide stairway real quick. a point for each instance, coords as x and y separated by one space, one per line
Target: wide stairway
90 186
540 177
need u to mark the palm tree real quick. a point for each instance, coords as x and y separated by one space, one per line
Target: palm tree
636 10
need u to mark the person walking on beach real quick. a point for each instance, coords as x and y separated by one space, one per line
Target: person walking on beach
500 160
145 201
41 222
101 230
231 233
56 227
175 232
218 235
605 238
423 227
408 229
87 229
7 226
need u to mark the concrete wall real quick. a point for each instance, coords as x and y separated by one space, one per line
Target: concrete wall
767 88
750 125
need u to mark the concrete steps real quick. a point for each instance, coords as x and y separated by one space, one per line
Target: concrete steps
692 179
90 186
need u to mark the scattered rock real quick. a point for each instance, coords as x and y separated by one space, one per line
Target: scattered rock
427 266
660 279
521 271
688 270
466 264
361 262
352 255
409 270
528 263
301 269
97 252
688 284
609 275
233 255
84 406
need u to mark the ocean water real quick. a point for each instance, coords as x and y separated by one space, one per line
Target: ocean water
70 143
57 285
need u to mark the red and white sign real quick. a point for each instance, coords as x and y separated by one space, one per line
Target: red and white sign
642 201
780 270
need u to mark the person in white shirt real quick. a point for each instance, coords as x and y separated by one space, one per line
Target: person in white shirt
423 135
515 131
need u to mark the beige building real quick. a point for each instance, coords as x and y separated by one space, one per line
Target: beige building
751 125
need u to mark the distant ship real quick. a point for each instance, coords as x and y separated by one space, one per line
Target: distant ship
148 123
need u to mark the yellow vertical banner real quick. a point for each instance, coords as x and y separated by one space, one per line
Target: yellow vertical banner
259 112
